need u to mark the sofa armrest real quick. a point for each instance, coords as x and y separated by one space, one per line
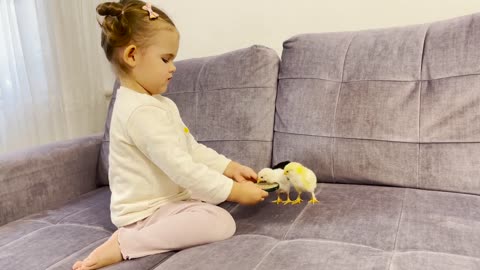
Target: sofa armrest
47 176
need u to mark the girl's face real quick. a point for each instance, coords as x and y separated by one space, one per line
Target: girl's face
154 66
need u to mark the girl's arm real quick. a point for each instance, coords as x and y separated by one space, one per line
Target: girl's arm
151 129
220 163
208 156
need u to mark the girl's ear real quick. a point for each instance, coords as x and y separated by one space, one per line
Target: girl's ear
129 55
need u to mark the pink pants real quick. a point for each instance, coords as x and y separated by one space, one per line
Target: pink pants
175 226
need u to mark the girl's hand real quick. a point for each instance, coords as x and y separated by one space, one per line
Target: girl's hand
246 193
240 173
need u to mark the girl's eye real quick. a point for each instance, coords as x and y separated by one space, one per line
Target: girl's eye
165 60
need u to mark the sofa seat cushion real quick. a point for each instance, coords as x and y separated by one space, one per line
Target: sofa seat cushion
353 227
57 238
91 209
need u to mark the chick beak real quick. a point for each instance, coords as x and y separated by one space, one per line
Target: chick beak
284 173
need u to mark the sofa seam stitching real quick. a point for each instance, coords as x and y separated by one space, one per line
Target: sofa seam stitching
72 214
219 89
398 228
85 226
25 235
75 252
162 261
200 141
437 252
336 242
234 207
275 98
6 244
36 220
266 254
332 148
420 105
300 214
380 80
379 140
196 90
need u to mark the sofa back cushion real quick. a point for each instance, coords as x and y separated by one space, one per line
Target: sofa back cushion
228 103
398 106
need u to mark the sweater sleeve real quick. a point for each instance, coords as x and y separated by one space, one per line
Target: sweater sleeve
151 129
208 156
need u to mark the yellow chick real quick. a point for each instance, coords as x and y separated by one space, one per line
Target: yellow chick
302 179
276 176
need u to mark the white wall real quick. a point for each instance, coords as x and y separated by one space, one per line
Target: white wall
209 27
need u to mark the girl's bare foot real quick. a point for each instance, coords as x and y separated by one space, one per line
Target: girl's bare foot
106 254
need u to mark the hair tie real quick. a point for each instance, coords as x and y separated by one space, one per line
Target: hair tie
152 14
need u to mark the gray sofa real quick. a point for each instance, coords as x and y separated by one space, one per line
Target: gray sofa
389 120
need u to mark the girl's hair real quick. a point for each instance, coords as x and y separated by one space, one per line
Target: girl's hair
127 22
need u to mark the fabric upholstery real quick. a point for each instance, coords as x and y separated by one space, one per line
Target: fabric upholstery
353 227
102 168
397 106
57 238
47 176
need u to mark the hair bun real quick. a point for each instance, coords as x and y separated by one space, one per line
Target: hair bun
110 9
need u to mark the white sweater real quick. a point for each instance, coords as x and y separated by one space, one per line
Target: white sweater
155 160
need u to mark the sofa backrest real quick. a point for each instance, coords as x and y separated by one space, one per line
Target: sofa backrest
398 106
228 103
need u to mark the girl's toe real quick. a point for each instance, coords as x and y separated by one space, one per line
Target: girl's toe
77 265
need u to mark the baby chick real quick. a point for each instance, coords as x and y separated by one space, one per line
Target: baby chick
276 176
302 179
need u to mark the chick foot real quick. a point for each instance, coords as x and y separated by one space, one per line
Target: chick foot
298 200
288 200
278 200
313 200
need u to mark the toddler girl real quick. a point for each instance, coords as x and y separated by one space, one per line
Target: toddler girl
164 184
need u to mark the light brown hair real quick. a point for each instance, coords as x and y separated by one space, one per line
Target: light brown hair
127 23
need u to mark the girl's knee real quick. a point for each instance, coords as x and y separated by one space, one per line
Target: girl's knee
225 224
230 224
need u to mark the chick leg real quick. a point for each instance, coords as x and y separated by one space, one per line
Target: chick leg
314 199
298 200
278 200
288 199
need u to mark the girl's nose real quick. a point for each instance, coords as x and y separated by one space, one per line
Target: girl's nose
173 68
